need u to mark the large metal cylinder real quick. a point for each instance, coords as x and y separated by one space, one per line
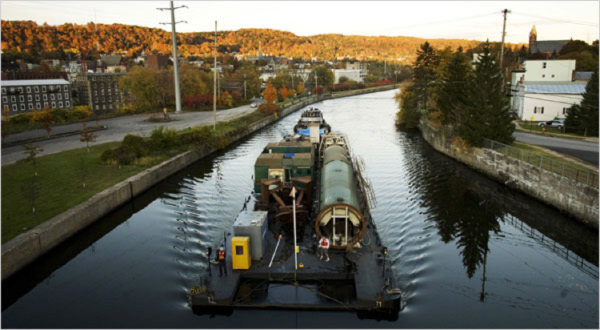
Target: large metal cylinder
340 217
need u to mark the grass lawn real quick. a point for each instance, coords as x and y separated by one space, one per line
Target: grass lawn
59 185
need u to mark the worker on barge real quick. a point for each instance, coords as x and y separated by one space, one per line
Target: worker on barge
221 258
324 245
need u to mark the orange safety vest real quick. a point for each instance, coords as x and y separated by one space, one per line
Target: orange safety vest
221 255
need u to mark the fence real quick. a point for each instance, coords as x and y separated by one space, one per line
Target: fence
562 168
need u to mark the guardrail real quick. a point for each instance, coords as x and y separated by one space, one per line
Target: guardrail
562 168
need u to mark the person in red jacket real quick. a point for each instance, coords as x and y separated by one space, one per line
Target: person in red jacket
324 245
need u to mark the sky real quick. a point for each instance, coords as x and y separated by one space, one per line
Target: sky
474 20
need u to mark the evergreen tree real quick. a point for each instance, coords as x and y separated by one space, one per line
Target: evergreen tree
584 116
486 108
451 91
424 73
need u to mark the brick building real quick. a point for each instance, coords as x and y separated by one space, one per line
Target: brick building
21 96
157 61
100 91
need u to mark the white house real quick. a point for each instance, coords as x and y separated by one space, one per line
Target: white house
353 74
545 89
546 101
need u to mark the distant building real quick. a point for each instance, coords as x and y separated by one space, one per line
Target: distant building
100 91
157 61
546 100
352 74
356 66
545 89
546 47
22 96
111 60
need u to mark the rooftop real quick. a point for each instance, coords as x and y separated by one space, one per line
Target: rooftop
555 88
33 82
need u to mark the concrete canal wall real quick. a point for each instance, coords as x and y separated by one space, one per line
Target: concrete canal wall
571 197
25 248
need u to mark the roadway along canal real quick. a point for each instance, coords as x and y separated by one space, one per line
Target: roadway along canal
468 252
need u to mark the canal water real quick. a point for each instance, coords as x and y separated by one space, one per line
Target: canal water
467 252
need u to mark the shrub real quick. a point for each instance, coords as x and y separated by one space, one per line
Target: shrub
126 110
124 156
268 108
24 118
80 112
58 116
164 138
135 144
108 156
202 134
318 90
197 101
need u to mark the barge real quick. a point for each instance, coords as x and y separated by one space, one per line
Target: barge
305 187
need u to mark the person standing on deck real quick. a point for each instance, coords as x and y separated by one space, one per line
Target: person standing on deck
221 257
324 245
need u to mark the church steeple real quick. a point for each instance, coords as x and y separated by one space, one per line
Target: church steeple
532 40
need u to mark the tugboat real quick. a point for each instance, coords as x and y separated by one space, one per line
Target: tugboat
306 186
309 117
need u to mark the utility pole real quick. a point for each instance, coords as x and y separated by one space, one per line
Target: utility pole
175 58
316 83
245 87
505 11
215 84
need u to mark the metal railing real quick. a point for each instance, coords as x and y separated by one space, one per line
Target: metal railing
549 164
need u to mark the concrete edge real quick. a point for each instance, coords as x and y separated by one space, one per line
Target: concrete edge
26 247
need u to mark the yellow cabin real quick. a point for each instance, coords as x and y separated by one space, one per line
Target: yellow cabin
240 247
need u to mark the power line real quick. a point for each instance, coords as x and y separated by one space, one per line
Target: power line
558 20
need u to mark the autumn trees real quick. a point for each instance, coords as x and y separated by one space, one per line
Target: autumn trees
450 92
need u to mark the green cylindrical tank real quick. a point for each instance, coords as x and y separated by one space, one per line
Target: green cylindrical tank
338 193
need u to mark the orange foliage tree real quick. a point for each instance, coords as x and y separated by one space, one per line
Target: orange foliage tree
270 93
300 88
285 93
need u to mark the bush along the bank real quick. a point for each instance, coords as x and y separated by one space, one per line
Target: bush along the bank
268 108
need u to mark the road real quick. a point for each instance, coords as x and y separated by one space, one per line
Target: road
117 128
586 151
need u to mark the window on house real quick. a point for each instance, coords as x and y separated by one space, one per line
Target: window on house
43 89
542 110
52 96
59 96
29 98
13 98
20 89
21 98
66 96
66 88
534 109
36 89
45 104
37 97
544 66
102 92
543 76
58 88
14 106
564 110
53 105
45 97
4 99
38 105
28 89
30 106
22 107
97 107
104 107
60 104
3 90
552 76
67 104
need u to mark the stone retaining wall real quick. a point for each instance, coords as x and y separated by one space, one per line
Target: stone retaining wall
26 247
574 198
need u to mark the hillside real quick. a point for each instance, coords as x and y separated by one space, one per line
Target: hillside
28 40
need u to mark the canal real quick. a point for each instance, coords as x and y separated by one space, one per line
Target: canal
467 251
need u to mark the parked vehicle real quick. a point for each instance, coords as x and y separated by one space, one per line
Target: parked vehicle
553 123
253 105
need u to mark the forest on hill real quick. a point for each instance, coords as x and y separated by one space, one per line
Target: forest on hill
29 41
